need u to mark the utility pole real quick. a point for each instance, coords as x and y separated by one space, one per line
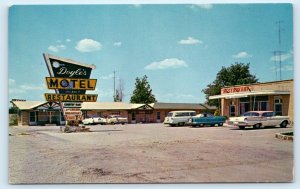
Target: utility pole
280 29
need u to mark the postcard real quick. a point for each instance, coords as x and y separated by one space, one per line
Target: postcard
151 93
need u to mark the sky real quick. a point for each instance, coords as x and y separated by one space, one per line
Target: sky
179 47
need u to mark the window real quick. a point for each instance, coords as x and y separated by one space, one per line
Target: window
133 116
278 105
244 107
232 110
267 114
261 106
169 114
251 114
32 117
182 114
192 113
158 115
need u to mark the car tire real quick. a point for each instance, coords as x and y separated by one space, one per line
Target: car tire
256 126
220 124
283 124
112 123
242 127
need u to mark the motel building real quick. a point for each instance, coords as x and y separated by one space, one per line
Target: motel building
31 113
274 96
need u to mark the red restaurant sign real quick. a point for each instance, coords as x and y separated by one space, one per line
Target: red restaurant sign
236 89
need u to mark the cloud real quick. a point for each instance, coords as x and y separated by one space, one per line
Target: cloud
201 6
56 48
107 77
11 81
166 64
31 87
118 44
17 89
242 54
88 45
190 41
283 57
68 40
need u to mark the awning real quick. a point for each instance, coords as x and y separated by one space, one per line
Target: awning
248 93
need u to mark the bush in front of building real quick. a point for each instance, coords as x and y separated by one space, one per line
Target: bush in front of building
217 112
13 119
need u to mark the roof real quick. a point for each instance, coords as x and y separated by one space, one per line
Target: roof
260 83
249 93
105 106
27 105
181 106
50 56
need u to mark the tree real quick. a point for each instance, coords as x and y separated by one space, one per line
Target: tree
142 92
236 74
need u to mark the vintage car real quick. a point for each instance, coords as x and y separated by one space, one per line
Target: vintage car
257 119
94 121
88 121
116 119
99 120
178 117
206 119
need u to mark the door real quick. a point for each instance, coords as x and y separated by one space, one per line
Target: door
232 110
32 118
278 105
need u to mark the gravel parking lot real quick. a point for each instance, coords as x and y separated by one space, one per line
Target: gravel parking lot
148 153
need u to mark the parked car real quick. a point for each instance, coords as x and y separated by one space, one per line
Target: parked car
116 119
94 121
88 121
206 119
99 120
179 117
257 119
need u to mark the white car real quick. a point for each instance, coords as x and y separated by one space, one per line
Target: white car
179 117
88 121
99 120
94 121
257 119
115 119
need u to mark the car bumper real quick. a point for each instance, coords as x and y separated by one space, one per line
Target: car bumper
240 123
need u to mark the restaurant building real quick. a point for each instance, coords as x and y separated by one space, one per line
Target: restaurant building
49 113
277 96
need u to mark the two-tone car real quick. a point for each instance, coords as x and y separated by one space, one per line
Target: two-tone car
94 121
206 119
116 119
180 117
257 119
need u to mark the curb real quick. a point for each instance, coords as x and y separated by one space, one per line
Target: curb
281 136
